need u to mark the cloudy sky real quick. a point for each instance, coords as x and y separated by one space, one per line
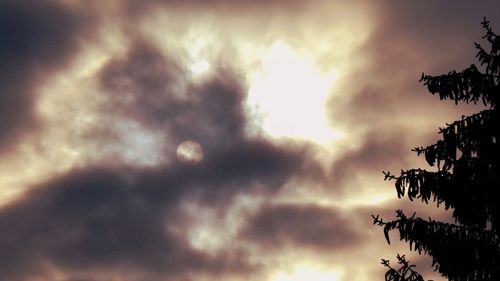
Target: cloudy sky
217 139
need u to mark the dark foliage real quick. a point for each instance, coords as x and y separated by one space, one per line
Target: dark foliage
404 273
466 180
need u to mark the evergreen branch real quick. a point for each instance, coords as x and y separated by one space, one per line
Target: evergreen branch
469 86
491 36
404 273
444 242
471 135
443 187
471 118
419 183
492 61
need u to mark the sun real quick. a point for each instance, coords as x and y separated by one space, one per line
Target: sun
189 152
288 96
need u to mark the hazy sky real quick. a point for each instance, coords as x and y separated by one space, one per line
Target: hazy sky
217 139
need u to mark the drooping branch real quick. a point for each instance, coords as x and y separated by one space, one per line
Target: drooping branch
475 135
469 86
426 185
444 187
404 273
491 36
478 249
492 61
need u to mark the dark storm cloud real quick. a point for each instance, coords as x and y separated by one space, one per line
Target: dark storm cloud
106 220
301 226
128 220
118 218
111 220
101 220
155 90
37 38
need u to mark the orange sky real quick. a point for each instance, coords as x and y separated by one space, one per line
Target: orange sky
217 139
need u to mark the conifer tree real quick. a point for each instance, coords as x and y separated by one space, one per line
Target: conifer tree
466 177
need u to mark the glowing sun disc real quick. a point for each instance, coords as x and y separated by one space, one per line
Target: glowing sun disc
189 152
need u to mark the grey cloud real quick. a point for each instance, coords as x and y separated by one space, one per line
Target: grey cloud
440 34
84 278
379 152
37 38
158 93
388 106
301 226
142 84
155 90
242 6
408 38
118 218
101 220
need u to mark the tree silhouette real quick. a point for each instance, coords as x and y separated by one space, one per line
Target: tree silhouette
466 179
404 273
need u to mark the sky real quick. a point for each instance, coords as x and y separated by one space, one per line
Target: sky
218 139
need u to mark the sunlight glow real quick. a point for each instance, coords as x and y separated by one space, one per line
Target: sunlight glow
210 231
199 67
307 273
289 96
